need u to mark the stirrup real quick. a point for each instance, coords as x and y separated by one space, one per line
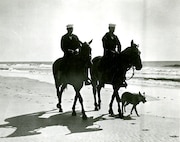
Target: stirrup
87 81
124 84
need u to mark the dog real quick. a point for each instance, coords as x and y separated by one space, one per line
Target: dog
132 98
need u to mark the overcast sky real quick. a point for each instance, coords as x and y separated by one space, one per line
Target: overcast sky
30 30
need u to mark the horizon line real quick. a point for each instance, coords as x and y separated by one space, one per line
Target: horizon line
53 61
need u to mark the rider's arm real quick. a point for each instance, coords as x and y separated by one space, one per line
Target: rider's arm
62 45
118 44
104 42
104 39
77 42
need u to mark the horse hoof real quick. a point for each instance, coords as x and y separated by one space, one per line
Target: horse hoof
99 106
121 116
73 113
84 117
96 109
60 110
111 112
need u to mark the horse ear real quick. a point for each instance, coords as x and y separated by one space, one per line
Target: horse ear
80 42
132 42
90 41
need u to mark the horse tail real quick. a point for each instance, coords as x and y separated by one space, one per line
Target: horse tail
56 66
95 70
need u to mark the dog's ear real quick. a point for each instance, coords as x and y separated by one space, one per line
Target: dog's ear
139 93
144 94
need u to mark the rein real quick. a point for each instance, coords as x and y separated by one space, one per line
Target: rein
132 73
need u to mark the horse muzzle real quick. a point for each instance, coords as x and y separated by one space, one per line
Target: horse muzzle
139 67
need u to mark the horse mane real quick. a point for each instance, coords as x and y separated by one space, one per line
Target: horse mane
126 51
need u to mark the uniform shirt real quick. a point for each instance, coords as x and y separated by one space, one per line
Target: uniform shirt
69 42
111 42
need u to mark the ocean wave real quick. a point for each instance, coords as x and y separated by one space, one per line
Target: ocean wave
4 68
164 79
175 65
163 74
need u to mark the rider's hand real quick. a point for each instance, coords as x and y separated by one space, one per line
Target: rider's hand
70 51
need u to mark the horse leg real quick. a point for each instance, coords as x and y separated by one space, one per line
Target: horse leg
123 107
118 102
94 93
83 112
116 88
59 94
99 95
110 105
78 95
74 105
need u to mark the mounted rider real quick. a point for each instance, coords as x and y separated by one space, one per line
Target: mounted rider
111 43
69 42
70 45
112 47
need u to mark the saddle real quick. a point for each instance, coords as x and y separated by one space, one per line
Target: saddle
72 65
111 72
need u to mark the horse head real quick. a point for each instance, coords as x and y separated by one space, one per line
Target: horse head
132 54
85 50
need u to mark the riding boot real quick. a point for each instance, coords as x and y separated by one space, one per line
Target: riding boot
124 84
124 79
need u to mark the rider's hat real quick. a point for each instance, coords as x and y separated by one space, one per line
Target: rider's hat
69 26
112 25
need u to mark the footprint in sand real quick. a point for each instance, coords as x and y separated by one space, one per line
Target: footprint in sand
133 123
174 136
145 129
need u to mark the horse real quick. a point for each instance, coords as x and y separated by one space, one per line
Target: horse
115 74
72 73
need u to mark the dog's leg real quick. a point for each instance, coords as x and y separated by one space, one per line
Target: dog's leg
132 108
125 104
136 111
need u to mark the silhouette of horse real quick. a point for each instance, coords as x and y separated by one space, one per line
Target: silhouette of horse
22 124
114 74
73 73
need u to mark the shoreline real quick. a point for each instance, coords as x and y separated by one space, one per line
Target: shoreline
28 113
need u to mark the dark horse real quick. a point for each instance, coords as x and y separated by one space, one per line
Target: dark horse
73 73
115 74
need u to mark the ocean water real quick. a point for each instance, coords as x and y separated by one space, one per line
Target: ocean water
156 73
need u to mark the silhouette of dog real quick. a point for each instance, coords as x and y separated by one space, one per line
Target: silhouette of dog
132 98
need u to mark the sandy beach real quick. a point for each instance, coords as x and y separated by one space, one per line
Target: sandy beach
28 113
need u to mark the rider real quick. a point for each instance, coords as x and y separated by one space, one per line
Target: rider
70 45
111 42
111 46
69 42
